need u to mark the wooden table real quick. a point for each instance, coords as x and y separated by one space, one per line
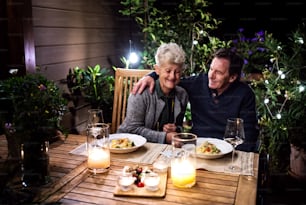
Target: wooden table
73 184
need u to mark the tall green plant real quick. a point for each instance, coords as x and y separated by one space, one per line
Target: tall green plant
96 84
280 92
188 24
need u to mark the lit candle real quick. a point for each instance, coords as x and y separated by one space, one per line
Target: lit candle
160 166
151 181
98 159
125 182
183 173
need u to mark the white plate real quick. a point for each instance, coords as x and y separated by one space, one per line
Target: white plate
138 140
224 147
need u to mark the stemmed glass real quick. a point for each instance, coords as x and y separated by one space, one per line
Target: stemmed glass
95 116
95 123
234 134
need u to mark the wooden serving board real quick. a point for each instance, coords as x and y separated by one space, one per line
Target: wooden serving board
142 191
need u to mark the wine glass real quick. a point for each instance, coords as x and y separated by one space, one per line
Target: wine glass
95 116
234 134
95 123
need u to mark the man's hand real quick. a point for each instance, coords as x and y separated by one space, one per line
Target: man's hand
170 127
169 137
142 84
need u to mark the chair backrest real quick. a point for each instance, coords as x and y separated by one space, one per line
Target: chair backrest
124 81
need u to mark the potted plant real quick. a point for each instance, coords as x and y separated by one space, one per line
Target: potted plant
32 108
281 95
96 85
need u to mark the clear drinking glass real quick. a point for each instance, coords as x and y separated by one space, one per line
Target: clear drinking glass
234 134
183 161
98 147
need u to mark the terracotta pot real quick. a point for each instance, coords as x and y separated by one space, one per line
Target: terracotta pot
297 163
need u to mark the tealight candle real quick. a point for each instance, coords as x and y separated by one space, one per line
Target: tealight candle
160 166
125 182
151 181
98 160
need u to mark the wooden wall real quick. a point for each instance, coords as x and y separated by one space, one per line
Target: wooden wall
77 33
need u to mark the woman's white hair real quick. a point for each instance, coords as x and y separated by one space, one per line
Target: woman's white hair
170 53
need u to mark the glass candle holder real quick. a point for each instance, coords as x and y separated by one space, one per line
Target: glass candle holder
151 181
183 161
160 166
125 181
98 148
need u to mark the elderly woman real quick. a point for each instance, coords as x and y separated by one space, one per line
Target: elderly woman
158 116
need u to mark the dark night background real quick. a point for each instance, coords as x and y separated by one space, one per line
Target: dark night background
278 17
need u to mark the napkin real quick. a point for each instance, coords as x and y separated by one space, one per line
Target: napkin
245 160
146 154
80 150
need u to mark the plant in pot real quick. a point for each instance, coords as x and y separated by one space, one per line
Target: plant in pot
96 85
281 96
32 108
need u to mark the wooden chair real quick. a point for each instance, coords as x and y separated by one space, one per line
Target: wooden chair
124 81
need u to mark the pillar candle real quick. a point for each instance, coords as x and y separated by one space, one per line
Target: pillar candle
98 158
183 173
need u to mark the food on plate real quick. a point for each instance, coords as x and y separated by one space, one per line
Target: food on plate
208 148
122 143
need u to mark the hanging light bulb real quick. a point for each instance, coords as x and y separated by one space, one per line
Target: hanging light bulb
133 58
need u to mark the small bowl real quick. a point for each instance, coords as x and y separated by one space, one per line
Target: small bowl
125 182
151 181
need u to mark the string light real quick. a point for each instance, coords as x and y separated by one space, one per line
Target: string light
301 88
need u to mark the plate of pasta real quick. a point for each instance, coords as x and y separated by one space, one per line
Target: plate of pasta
125 142
212 148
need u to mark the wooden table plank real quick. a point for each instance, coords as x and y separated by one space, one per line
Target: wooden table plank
72 178
247 187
